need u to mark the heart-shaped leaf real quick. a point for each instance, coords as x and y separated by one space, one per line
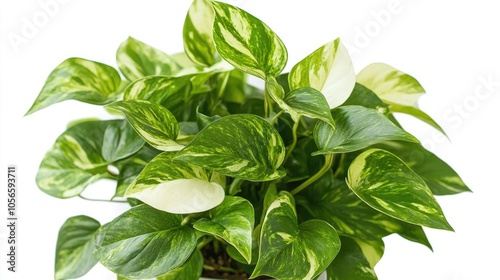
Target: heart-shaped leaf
329 70
75 244
356 127
233 221
197 33
136 60
390 84
241 146
80 156
395 189
176 187
79 79
190 270
247 43
350 263
152 121
144 242
292 251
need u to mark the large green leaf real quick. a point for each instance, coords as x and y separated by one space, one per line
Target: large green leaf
144 242
388 185
156 88
390 84
79 79
247 43
356 127
233 221
437 174
292 251
190 270
350 263
340 207
241 146
152 121
80 156
176 187
136 60
75 244
197 33
417 113
329 70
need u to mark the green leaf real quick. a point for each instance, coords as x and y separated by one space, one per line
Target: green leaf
176 187
247 43
394 190
203 120
152 121
417 113
136 60
79 79
437 174
292 251
356 127
309 102
329 70
144 242
241 146
80 156
75 243
350 263
350 216
190 270
233 221
372 249
390 84
156 88
197 33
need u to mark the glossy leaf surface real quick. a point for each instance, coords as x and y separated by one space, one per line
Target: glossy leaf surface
350 263
197 33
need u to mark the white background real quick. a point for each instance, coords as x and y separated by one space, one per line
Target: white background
451 47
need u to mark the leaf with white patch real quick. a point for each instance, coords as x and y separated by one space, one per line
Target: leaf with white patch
233 221
136 60
75 244
390 84
144 242
154 123
395 189
156 88
189 270
329 70
247 43
81 154
242 146
356 127
197 33
292 251
350 263
79 79
176 187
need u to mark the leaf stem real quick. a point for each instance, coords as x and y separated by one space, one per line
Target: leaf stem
102 200
294 140
312 179
275 118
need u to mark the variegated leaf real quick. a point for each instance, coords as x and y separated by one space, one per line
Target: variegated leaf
233 221
292 251
136 60
350 263
154 123
144 242
372 249
329 70
341 208
390 84
437 174
394 190
79 79
356 127
197 33
80 156
309 102
241 146
417 113
176 187
75 244
189 270
156 88
247 43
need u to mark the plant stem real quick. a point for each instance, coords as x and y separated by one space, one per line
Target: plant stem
294 140
312 179
102 200
275 118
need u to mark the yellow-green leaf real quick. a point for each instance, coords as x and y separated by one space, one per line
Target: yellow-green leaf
197 33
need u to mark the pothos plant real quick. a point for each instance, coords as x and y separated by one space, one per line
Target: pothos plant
303 176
